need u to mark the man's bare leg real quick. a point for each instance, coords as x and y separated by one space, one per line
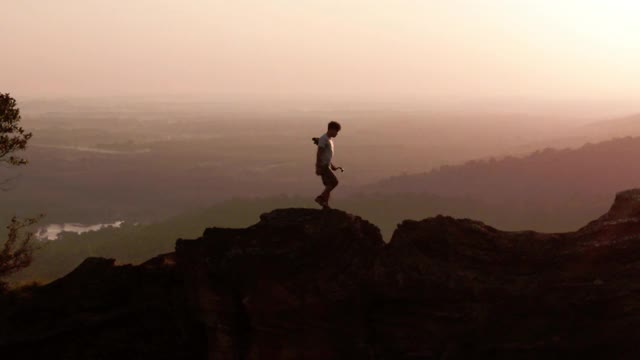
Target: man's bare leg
330 182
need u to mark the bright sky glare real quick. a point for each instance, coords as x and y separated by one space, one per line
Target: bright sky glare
403 48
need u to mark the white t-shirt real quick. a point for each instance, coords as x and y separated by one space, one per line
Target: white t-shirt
326 144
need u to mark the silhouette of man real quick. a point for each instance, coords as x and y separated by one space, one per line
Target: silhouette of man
324 166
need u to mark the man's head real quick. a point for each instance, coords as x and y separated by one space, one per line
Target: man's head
333 128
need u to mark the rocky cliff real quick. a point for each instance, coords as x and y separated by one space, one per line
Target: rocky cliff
311 284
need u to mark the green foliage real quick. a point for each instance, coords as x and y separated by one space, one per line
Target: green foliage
13 137
17 250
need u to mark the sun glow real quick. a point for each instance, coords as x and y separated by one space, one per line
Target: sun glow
611 24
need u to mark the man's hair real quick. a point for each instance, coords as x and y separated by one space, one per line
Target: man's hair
334 125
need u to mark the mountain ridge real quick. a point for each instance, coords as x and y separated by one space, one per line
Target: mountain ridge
305 283
561 174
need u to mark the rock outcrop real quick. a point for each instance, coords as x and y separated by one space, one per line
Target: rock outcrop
312 284
292 286
103 311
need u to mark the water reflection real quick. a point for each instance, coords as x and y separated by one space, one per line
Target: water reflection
51 232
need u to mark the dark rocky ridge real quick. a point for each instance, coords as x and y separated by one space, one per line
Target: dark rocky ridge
103 311
317 284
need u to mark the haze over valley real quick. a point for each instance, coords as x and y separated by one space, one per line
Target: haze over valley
152 162
166 118
142 160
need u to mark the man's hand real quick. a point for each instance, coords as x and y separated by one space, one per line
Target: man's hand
334 168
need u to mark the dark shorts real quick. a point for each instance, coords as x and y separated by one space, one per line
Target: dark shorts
328 177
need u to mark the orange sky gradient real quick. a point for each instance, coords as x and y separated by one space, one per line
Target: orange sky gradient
541 49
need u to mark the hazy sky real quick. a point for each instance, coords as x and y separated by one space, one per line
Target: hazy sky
394 48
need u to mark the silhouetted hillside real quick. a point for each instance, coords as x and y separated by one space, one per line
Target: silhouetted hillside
549 190
624 126
315 284
136 243
547 178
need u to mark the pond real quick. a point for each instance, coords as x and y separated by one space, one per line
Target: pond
51 231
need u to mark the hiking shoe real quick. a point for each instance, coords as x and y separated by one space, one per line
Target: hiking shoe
322 202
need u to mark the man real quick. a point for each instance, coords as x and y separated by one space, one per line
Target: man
324 166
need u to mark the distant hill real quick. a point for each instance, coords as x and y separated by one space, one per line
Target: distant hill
549 191
618 127
547 177
136 243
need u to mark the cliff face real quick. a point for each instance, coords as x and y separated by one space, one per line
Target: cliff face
293 285
317 284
